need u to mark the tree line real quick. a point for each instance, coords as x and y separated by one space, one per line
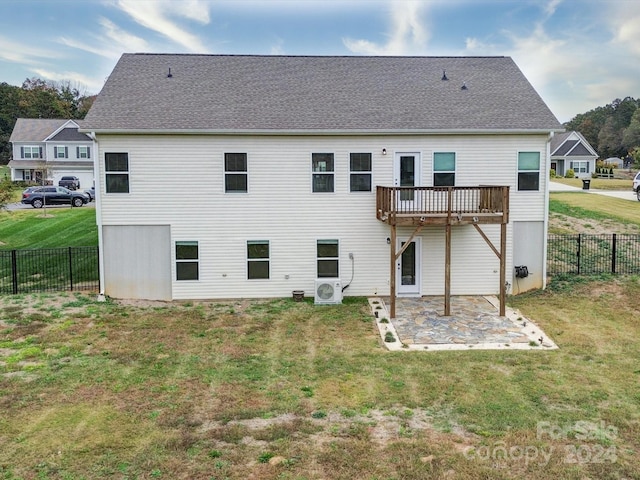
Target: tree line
613 130
38 98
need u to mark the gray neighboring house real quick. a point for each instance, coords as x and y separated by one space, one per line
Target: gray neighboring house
570 150
228 176
45 150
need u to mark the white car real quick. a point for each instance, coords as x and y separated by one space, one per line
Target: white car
636 185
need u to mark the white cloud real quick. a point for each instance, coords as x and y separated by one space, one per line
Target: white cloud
408 35
157 16
625 26
24 54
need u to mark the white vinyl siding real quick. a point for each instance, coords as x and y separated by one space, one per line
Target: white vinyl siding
281 207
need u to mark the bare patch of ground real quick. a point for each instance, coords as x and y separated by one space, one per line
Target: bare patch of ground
560 223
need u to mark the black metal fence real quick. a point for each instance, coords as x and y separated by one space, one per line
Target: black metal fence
593 254
49 269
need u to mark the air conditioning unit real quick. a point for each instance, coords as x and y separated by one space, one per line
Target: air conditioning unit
328 291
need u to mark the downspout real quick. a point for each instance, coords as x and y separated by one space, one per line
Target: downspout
98 200
546 210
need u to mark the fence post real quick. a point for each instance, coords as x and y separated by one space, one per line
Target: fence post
14 272
578 253
613 254
70 270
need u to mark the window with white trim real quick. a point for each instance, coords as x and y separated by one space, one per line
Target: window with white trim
444 169
328 258
83 152
235 173
60 151
116 172
31 152
360 172
187 261
257 259
322 172
528 171
580 166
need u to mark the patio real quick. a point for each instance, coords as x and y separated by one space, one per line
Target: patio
475 323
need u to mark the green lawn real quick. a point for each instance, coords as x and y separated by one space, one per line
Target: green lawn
60 227
219 389
598 183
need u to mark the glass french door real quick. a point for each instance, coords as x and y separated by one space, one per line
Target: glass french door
408 268
406 174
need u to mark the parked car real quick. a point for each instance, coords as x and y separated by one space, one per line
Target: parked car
91 193
636 182
70 182
54 196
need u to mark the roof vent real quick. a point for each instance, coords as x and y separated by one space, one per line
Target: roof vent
444 75
169 75
463 87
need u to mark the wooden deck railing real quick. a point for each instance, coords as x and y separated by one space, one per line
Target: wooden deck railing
442 205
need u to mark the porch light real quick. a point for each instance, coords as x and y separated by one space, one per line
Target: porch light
384 151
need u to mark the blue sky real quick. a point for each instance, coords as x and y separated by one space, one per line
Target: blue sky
578 54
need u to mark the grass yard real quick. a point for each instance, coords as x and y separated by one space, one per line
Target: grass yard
277 389
61 227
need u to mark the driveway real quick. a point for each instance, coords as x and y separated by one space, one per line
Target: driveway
623 194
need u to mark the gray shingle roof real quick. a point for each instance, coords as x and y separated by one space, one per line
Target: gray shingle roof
304 93
39 129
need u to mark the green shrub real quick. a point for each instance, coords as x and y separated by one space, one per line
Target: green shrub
553 173
570 173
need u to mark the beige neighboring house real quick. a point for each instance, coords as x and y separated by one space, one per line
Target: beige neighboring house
45 150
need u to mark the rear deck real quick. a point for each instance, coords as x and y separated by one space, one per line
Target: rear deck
446 206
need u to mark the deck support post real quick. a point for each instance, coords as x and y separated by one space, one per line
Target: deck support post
447 271
392 272
503 269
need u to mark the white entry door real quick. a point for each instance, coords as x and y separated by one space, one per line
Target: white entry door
407 173
408 268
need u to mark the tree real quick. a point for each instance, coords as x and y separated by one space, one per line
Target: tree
631 135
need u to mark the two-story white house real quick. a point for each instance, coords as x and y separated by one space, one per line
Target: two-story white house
45 150
224 176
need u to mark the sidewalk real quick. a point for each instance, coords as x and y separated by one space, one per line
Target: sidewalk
623 194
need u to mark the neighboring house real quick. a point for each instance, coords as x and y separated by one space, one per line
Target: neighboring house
254 176
570 150
45 150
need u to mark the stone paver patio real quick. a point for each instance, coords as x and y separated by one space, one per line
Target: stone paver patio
474 323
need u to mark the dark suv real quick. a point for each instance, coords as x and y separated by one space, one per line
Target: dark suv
72 183
53 196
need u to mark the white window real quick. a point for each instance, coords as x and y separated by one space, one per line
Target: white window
116 172
31 152
235 172
83 152
528 170
444 169
322 172
580 166
360 177
328 258
257 259
60 152
187 261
